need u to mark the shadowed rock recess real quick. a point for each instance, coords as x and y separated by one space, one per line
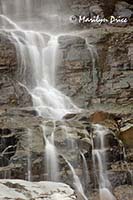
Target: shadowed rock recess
94 67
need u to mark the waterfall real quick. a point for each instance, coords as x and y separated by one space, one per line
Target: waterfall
94 71
37 53
37 68
29 145
98 153
1 7
37 60
77 183
85 171
8 22
51 156
37 14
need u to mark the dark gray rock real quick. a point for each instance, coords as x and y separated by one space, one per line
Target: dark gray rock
12 92
122 9
98 69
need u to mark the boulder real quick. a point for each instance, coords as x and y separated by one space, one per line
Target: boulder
24 190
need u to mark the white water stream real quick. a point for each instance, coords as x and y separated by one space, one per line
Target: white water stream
40 58
99 157
29 159
85 171
77 183
51 156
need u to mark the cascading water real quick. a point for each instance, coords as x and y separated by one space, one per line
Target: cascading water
38 57
29 145
37 14
98 153
85 171
51 155
77 183
95 75
41 59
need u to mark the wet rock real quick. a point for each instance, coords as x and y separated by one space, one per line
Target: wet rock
85 145
15 111
12 92
69 116
82 116
8 145
8 57
69 137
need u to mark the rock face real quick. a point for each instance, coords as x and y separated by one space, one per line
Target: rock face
13 94
8 61
101 8
24 190
75 61
22 137
97 69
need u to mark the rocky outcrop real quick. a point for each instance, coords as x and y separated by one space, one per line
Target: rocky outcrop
24 190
